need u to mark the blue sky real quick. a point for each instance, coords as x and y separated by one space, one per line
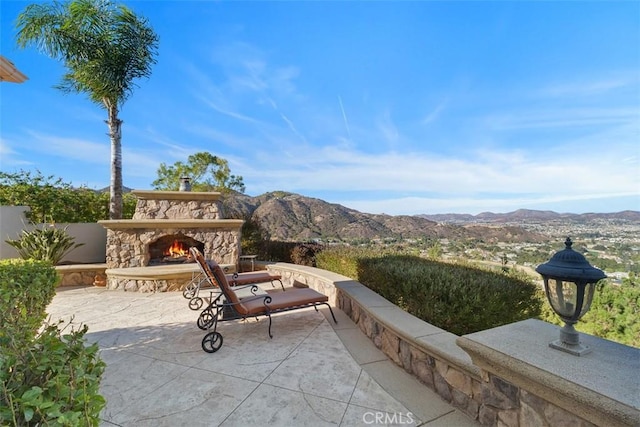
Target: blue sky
384 107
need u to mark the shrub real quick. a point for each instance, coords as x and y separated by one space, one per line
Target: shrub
305 253
54 380
47 378
457 298
345 259
273 250
26 288
52 200
47 243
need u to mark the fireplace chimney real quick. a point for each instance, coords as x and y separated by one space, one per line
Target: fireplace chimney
185 183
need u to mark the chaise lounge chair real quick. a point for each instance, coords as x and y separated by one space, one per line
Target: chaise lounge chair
192 289
233 307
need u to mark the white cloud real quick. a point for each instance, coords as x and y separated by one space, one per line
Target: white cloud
433 115
509 173
69 148
557 117
5 148
584 87
388 129
474 206
10 158
214 136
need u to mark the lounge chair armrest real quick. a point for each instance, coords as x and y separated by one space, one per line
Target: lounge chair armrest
266 299
252 287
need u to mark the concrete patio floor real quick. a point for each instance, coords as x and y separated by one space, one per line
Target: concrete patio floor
313 372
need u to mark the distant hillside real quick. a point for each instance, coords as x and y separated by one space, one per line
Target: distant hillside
292 217
108 189
522 215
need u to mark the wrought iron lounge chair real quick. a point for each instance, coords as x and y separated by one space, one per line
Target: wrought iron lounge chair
199 281
231 306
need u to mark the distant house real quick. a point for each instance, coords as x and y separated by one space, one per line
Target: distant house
9 72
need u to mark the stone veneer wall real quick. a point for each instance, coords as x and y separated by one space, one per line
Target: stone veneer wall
143 285
82 275
432 355
177 205
128 247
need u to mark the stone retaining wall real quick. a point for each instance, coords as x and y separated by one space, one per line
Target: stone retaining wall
146 285
82 275
433 356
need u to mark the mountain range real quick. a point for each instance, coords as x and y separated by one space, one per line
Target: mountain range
530 215
292 217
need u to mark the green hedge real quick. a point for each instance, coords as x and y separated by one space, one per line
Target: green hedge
26 289
457 298
48 376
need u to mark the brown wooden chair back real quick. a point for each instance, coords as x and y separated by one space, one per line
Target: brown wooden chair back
216 277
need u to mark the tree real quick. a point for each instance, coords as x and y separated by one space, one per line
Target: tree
104 48
206 172
52 200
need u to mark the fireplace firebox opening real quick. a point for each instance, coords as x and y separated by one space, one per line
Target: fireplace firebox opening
172 249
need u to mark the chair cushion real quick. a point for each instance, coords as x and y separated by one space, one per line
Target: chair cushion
284 300
250 278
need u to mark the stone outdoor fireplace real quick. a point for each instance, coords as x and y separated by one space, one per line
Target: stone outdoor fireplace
166 224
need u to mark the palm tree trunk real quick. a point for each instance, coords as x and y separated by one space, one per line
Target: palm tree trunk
115 136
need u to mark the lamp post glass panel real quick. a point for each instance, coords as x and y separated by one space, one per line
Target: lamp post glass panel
569 283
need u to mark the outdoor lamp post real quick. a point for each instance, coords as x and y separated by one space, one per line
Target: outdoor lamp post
569 282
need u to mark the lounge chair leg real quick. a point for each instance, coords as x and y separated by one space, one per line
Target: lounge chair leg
270 336
331 311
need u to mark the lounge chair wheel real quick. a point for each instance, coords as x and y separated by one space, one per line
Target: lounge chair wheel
212 342
189 292
205 320
195 303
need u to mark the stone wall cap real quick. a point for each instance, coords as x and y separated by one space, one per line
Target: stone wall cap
170 223
68 268
176 195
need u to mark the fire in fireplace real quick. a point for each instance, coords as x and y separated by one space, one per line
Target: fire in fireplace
172 249
176 250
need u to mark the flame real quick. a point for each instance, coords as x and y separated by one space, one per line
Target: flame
177 249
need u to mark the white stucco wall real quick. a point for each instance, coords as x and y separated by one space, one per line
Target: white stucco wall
93 235
12 222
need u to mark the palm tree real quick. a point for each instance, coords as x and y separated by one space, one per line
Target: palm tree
104 47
